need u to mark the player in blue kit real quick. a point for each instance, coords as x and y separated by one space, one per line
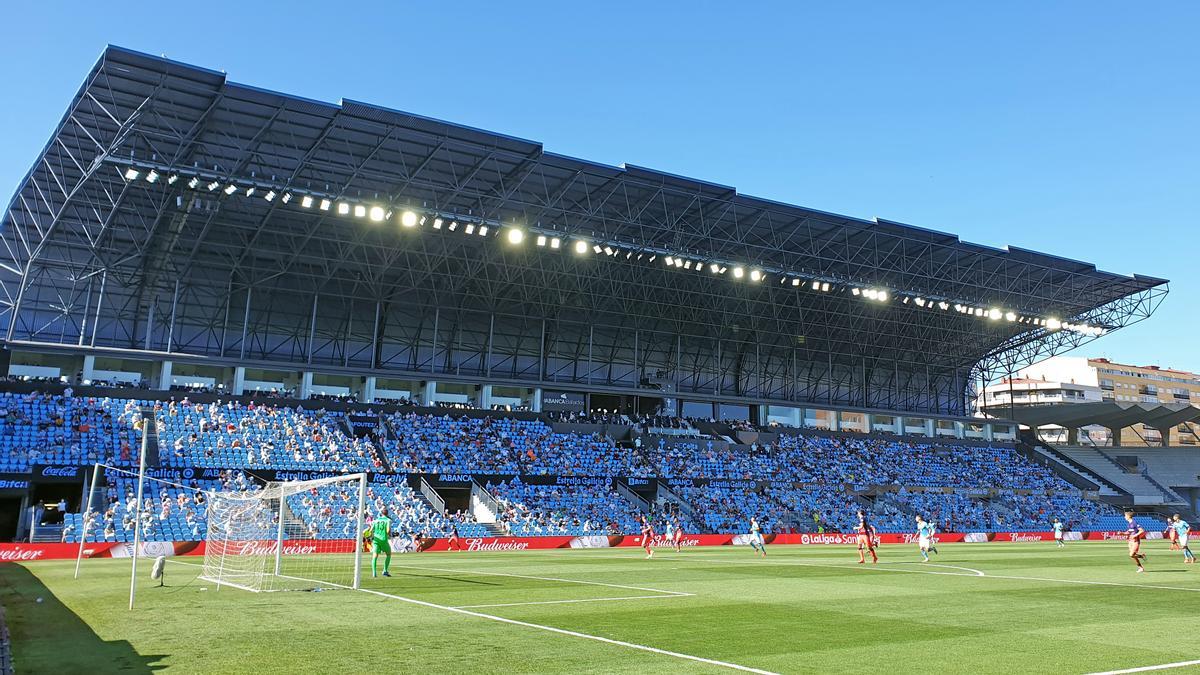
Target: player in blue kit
1181 528
925 532
756 539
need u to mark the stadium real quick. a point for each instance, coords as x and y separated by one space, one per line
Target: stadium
603 417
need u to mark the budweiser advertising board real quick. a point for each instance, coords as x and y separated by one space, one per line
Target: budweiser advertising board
21 552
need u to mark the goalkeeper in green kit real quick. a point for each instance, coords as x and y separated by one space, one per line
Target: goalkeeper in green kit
378 533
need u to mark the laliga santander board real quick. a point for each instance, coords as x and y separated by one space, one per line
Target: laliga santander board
23 552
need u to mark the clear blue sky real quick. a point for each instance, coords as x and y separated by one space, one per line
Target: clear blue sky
1069 127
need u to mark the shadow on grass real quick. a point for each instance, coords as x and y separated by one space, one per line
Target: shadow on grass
446 578
47 637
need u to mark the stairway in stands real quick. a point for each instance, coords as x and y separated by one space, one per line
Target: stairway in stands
494 529
1067 468
1143 489
150 429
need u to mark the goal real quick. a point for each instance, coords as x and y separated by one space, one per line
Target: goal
291 535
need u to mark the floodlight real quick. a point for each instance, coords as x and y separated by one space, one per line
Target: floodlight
738 272
214 185
250 191
470 228
325 204
755 275
270 196
306 201
171 180
408 219
581 247
229 189
483 230
151 177
287 197
541 240
376 214
131 174
515 235
1010 316
714 268
1053 324
555 242
360 211
795 282
437 223
193 182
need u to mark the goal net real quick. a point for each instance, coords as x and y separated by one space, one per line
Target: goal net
294 535
170 516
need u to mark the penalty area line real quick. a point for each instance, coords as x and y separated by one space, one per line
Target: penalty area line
471 572
887 567
571 633
1144 669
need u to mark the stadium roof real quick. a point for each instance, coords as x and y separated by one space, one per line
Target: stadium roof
174 210
1106 414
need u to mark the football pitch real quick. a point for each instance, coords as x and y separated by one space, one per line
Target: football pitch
987 608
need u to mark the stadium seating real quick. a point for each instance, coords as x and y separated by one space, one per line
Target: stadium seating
237 435
447 444
727 511
811 475
170 512
329 511
538 510
65 430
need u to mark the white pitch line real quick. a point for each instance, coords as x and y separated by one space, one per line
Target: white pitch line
526 576
565 602
571 633
877 568
949 567
1143 669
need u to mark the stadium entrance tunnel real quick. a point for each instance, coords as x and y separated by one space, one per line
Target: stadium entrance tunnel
42 631
456 498
10 516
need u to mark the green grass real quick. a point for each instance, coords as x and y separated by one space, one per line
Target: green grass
803 609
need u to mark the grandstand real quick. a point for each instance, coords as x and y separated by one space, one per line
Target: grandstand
701 350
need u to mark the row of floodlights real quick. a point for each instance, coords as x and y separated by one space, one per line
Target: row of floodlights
378 214
515 236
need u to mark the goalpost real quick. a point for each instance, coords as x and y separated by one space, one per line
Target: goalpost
293 535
